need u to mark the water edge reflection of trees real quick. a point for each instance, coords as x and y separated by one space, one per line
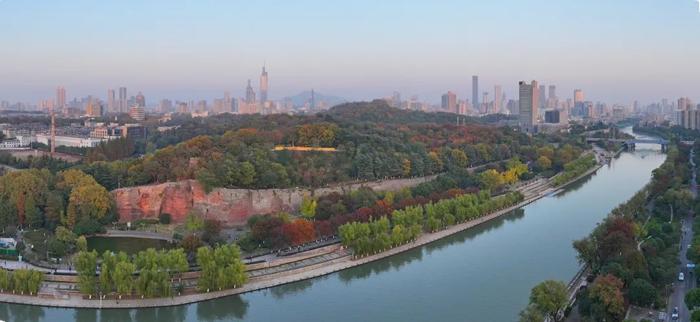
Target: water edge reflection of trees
234 308
24 313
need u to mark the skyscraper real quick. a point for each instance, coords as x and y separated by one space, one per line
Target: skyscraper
449 102
528 103
497 99
111 101
60 98
578 103
475 91
542 95
249 94
228 102
140 100
123 102
263 86
552 92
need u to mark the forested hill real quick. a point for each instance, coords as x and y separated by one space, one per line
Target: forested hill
372 141
378 111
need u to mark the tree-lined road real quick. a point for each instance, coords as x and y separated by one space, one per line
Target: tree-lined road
680 288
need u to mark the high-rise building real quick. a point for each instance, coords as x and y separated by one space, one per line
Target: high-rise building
396 99
201 106
552 116
449 102
140 100
93 108
552 92
263 86
485 103
528 103
60 98
475 91
123 101
497 99
137 113
578 103
249 94
165 106
543 95
111 101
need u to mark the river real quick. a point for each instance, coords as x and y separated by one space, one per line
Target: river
482 274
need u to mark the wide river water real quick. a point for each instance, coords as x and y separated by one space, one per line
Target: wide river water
482 274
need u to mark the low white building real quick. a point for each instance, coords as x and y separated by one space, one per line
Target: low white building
80 142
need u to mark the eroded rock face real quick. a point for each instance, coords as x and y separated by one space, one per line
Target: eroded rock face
231 206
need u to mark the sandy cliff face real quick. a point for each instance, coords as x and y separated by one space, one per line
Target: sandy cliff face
232 206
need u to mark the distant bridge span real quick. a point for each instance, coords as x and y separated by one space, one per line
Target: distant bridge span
630 141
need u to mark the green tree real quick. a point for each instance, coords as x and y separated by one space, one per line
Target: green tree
549 297
193 222
692 298
531 314
221 268
308 207
86 266
32 214
543 163
695 316
607 301
490 180
109 262
124 277
81 244
65 235
642 293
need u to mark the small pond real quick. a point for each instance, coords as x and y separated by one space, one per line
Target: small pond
129 245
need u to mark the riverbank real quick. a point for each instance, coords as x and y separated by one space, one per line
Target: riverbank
71 299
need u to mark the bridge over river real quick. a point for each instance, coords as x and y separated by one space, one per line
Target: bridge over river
631 143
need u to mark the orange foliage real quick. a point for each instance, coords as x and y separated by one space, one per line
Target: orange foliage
299 231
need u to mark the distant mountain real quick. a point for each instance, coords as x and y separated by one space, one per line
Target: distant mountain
304 97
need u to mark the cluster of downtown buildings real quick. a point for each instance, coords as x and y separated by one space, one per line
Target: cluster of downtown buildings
538 109
119 102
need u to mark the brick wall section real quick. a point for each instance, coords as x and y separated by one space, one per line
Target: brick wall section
232 206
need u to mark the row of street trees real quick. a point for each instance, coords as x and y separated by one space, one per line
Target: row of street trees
22 281
152 273
366 238
575 168
221 268
156 271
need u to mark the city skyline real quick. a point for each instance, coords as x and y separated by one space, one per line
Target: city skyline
614 50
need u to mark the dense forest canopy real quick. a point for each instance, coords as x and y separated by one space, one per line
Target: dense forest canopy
373 141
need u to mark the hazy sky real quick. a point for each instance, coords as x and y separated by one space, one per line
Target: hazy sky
615 50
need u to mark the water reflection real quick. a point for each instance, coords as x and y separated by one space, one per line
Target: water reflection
292 289
475 231
28 313
116 316
377 267
227 309
85 315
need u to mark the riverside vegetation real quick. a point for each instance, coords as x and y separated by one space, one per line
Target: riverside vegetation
632 254
61 204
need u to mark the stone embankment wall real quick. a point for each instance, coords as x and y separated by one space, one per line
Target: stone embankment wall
232 206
